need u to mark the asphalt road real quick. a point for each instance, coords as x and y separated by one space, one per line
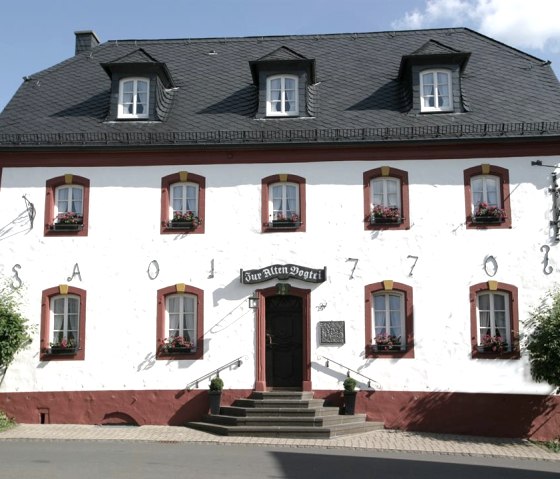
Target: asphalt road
118 460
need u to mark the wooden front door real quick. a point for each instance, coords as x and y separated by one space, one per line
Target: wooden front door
284 341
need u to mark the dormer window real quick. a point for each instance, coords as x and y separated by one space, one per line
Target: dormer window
431 79
282 95
435 88
285 85
134 98
141 88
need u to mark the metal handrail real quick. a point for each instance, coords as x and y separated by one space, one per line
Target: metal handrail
369 380
195 383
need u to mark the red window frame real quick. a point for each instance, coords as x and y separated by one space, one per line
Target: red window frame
182 177
161 333
386 172
265 198
503 175
388 286
45 336
495 286
50 195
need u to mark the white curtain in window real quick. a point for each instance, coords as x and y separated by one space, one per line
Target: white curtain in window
181 310
485 189
386 192
388 314
184 197
284 199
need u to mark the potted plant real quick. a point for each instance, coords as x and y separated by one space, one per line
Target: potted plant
63 346
177 344
285 221
215 394
186 220
485 213
68 221
493 344
349 396
385 214
387 342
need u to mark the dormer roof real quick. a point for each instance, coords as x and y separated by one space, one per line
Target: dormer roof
433 52
285 57
139 62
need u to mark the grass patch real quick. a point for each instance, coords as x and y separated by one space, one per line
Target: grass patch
553 446
6 422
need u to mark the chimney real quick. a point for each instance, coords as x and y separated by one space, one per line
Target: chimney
86 40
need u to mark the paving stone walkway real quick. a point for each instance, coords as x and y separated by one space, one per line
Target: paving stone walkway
382 440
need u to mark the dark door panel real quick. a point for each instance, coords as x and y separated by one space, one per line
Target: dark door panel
284 335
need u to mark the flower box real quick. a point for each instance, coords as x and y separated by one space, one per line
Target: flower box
182 225
486 214
496 349
487 219
177 350
67 226
285 224
386 348
381 220
59 350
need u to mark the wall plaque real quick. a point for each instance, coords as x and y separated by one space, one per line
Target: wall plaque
331 332
283 272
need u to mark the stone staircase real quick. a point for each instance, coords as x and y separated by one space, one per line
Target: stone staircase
286 414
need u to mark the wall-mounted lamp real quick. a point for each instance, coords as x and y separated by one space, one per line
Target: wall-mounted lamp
254 301
554 190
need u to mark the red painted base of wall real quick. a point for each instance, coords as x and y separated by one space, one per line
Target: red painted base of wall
496 415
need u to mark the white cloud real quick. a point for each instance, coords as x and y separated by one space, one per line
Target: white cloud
531 24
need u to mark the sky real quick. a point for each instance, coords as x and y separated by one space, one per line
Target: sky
36 34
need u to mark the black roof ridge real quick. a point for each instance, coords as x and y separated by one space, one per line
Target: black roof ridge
285 36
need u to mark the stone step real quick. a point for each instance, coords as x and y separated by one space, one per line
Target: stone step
293 432
325 421
285 414
282 395
279 403
275 412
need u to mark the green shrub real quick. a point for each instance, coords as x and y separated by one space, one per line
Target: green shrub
543 342
5 422
216 384
349 384
14 330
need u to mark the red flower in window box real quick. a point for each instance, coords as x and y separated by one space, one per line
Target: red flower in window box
285 221
493 344
488 214
387 342
385 214
69 218
177 344
184 220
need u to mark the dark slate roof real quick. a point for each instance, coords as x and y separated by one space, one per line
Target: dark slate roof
357 95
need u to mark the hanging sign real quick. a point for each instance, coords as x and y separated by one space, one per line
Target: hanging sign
283 272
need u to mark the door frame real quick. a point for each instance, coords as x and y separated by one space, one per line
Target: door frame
262 294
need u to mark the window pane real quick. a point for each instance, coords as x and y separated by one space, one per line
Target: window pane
291 202
77 200
142 86
484 302
62 203
500 319
192 199
491 191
